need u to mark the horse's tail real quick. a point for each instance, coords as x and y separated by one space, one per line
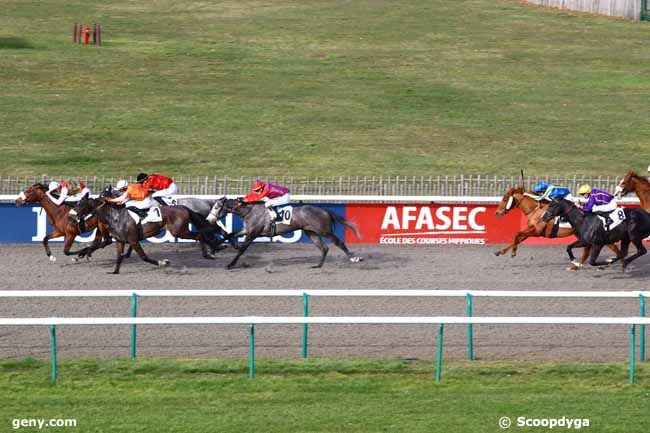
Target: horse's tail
197 219
344 222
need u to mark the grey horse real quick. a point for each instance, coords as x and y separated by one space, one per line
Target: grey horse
316 222
203 207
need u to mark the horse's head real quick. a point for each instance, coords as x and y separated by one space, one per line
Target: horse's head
218 211
509 200
85 207
108 192
630 182
33 194
557 207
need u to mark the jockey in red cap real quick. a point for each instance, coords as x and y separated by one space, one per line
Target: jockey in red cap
272 196
67 191
162 186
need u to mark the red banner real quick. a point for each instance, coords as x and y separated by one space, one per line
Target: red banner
438 224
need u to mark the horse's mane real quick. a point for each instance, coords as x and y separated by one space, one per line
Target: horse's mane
641 179
39 185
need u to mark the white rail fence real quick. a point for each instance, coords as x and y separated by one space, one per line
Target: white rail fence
468 320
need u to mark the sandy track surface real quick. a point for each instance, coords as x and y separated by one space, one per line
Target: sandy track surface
288 267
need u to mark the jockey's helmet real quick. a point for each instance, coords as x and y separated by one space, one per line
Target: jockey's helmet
122 184
540 187
584 189
142 176
53 186
258 186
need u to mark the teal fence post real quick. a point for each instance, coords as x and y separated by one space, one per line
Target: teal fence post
134 313
470 330
632 344
644 10
305 327
439 356
251 356
642 329
53 344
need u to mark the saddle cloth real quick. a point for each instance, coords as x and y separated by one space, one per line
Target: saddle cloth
285 214
617 216
153 216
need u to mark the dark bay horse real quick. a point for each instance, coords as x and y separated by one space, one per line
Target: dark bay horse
116 218
589 228
533 210
314 221
640 185
58 218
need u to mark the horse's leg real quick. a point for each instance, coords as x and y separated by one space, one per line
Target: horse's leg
625 246
243 247
54 234
519 238
577 264
138 249
339 243
593 257
119 249
640 250
182 231
318 241
614 249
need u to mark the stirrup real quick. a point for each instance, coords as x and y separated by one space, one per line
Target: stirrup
273 229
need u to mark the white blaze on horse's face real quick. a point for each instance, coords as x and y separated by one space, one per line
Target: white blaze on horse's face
212 216
510 201
22 196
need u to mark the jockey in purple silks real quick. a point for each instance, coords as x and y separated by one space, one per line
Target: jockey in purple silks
597 201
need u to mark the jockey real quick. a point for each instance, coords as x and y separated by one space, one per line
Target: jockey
549 192
272 196
597 201
134 196
69 191
162 185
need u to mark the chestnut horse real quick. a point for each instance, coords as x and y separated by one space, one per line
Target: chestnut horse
58 217
632 182
533 210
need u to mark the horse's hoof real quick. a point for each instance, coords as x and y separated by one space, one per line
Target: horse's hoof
611 260
356 259
497 253
163 263
575 267
576 263
75 259
52 259
114 273
317 266
601 268
229 267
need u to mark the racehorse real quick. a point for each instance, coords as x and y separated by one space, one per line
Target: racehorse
316 222
533 210
123 228
58 217
632 182
589 228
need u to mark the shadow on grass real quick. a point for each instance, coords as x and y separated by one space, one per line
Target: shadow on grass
13 43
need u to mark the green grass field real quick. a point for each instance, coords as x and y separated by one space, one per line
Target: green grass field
321 396
321 88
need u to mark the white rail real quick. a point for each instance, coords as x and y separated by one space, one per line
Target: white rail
255 320
322 292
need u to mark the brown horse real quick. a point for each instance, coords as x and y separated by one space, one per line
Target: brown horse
632 182
533 210
58 218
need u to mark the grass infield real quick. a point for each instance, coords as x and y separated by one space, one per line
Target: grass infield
321 88
155 395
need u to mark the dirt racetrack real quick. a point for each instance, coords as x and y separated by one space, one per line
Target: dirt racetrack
288 267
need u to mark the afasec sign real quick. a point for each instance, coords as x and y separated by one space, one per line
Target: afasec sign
431 224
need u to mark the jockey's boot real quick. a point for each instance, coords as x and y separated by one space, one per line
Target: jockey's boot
139 230
608 220
82 225
273 228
